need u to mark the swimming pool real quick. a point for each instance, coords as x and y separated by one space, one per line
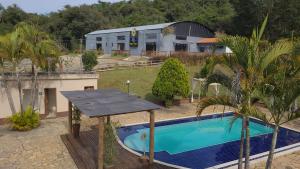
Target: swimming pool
202 142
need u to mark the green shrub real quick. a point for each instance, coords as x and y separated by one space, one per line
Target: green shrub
25 121
110 150
89 60
172 80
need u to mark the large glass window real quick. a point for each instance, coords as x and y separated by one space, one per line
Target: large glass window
180 47
98 38
150 46
121 46
151 36
121 37
178 37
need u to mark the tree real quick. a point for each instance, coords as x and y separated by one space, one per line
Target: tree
12 50
10 18
249 61
73 23
172 80
280 94
39 47
89 60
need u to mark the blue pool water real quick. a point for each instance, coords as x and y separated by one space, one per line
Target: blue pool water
204 142
182 137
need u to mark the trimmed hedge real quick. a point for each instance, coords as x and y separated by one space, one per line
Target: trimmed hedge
172 80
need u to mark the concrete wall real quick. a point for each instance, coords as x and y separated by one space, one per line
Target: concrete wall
62 82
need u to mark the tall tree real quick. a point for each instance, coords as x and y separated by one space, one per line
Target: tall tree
11 16
249 61
39 48
12 48
279 94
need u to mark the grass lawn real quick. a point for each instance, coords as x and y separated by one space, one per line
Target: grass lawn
141 79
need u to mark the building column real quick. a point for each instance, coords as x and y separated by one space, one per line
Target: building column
151 147
70 114
101 143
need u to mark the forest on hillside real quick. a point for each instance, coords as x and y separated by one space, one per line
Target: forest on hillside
229 16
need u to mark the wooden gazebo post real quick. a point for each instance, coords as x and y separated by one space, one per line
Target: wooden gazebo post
151 147
70 117
101 143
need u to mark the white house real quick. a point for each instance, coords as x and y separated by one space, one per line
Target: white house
49 100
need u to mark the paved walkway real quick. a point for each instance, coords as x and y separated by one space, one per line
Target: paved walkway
42 148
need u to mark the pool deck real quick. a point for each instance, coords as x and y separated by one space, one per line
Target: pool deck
84 153
43 148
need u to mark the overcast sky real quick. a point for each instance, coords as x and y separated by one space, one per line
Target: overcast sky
46 6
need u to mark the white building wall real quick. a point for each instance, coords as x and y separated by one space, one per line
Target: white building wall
65 82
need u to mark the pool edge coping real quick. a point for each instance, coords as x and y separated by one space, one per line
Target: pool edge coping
254 158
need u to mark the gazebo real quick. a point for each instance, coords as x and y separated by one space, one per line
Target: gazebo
105 103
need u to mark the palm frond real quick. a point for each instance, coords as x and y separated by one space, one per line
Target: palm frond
210 101
276 50
240 48
255 112
233 119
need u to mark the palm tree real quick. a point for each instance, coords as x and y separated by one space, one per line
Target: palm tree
12 50
280 94
249 60
39 48
4 82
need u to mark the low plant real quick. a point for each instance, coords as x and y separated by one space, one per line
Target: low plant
89 60
76 116
110 142
24 121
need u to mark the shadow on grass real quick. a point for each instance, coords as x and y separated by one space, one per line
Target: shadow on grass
150 97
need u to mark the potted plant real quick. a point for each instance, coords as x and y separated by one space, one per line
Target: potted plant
143 138
76 122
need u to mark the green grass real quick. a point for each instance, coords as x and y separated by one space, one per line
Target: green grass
141 79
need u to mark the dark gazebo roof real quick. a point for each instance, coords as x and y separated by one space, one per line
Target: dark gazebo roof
105 102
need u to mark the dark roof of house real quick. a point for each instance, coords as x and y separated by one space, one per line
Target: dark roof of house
105 102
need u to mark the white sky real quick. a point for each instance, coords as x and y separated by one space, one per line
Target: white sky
46 6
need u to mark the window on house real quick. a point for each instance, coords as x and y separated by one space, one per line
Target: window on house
151 36
180 37
201 48
220 47
121 46
98 38
121 37
88 88
150 46
180 47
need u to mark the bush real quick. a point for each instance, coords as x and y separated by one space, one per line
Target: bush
25 121
110 150
172 80
89 60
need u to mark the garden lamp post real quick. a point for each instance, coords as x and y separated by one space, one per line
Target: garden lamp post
128 85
